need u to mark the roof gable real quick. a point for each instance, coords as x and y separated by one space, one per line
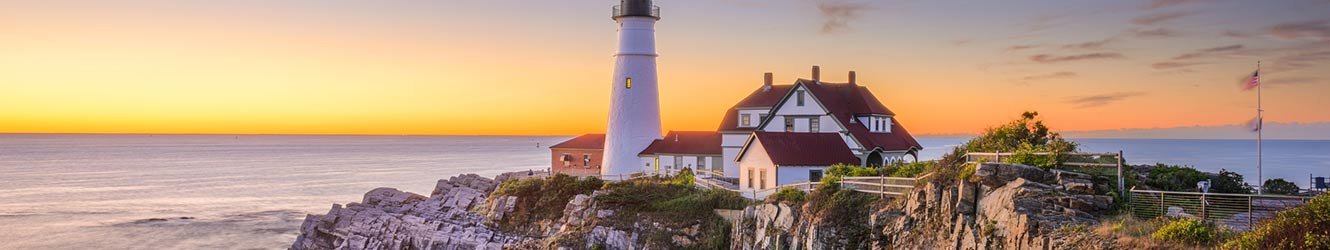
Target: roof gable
801 149
759 98
586 141
686 143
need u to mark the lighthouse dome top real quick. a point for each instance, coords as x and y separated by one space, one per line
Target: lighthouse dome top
642 8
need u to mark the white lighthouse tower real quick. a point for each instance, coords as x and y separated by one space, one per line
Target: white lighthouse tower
634 119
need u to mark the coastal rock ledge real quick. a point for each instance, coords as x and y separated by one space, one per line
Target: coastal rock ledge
391 219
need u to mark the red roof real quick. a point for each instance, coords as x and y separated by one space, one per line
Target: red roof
846 101
762 97
587 141
686 143
803 149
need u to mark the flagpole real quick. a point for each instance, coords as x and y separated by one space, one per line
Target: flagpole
1260 129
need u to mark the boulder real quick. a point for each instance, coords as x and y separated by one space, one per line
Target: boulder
998 174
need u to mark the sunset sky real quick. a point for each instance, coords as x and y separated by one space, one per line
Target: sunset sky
539 67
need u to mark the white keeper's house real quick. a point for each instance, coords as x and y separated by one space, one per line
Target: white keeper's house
783 134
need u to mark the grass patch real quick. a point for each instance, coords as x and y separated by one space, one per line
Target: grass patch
1191 232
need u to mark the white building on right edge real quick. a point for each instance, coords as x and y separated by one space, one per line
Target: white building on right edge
784 134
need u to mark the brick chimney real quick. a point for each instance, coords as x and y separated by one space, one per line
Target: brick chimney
852 76
767 78
817 74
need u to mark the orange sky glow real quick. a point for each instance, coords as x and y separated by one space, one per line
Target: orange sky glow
543 68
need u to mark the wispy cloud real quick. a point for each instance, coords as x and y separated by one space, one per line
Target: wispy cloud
838 14
1153 33
1174 65
1097 44
1022 47
1158 18
1291 81
1210 52
1049 76
1155 4
1102 99
1047 58
1319 29
1200 56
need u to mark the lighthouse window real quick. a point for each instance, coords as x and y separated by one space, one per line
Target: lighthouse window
628 83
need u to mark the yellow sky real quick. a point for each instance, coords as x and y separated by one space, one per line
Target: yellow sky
471 67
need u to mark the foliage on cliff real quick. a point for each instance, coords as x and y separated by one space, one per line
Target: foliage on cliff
672 202
1305 227
541 199
1024 136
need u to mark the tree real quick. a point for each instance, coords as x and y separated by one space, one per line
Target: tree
1280 186
1230 183
1025 134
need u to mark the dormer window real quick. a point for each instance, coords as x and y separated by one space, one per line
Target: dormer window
745 121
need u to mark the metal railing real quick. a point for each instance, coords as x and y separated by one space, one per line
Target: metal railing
619 11
1236 211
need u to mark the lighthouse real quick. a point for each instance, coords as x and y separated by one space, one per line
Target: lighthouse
634 119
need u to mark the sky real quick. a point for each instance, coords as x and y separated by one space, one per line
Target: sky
528 67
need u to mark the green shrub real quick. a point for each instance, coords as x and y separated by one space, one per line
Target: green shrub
1027 133
684 177
1305 227
542 198
966 172
1281 186
1174 178
908 169
1026 156
1186 231
788 194
845 170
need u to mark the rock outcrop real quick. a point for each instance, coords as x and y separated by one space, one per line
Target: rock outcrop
1007 206
391 219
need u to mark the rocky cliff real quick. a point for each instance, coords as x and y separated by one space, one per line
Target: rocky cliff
1002 207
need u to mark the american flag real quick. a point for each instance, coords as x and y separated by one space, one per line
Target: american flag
1255 124
1253 81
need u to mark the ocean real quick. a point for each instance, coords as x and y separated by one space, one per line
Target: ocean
253 191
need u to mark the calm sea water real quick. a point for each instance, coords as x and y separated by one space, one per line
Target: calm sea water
251 192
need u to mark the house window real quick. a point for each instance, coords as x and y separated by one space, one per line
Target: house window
789 124
745 120
567 160
814 125
799 97
750 178
762 177
701 163
628 83
678 161
761 117
815 175
586 160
